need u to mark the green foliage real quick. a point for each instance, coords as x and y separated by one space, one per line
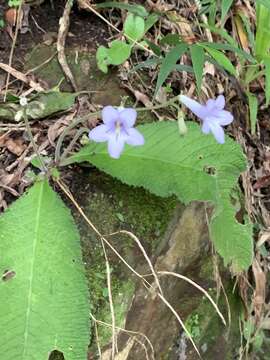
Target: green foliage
116 54
40 106
253 110
44 297
225 7
134 27
169 63
197 57
221 59
266 61
262 39
192 167
14 3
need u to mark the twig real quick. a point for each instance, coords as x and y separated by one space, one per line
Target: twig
61 40
20 76
13 46
28 128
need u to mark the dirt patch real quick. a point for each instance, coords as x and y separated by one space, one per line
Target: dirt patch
86 31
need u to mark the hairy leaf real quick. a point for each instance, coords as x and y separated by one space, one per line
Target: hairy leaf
43 292
232 240
193 167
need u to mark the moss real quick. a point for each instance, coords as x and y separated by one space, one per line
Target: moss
123 292
112 206
208 331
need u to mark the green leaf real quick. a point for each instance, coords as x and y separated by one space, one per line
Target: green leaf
40 106
253 110
150 21
169 63
170 39
197 57
233 49
118 52
232 240
43 291
146 64
262 39
155 48
192 167
265 3
266 61
221 59
225 7
134 27
134 9
102 57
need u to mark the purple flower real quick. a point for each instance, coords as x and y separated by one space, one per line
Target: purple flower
117 130
212 115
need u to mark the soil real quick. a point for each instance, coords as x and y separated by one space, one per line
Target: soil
86 31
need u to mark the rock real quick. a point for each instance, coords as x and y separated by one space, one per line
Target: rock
105 88
176 239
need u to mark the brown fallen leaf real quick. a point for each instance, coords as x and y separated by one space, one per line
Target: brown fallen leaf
262 182
259 294
15 146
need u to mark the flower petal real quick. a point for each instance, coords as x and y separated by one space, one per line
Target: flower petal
218 132
128 117
224 117
198 109
116 145
220 102
205 127
134 138
109 115
210 104
99 133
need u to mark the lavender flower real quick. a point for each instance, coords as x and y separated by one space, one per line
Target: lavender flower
117 130
212 115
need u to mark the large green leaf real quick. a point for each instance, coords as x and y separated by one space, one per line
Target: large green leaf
232 240
43 291
193 167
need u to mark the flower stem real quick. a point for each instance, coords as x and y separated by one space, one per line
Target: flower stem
154 107
74 123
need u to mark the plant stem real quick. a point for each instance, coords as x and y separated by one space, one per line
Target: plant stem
76 122
154 107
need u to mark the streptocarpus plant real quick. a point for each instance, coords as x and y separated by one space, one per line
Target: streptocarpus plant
43 288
